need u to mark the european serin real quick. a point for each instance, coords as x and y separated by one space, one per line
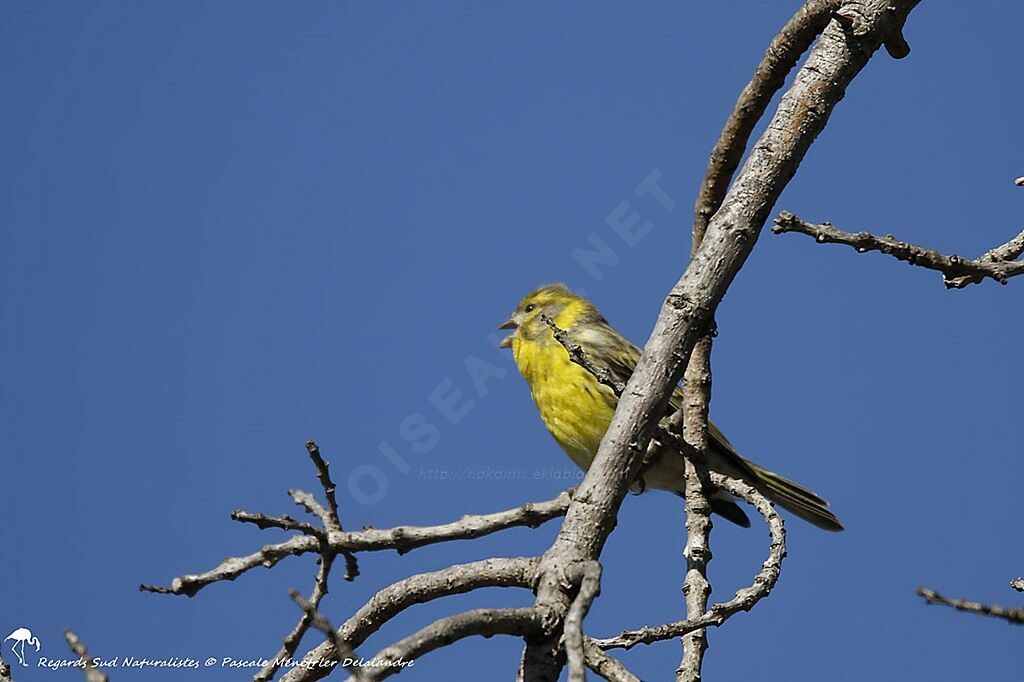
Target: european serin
577 409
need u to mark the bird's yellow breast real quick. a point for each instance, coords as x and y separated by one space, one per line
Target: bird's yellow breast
575 408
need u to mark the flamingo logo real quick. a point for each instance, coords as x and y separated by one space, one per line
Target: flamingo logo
21 636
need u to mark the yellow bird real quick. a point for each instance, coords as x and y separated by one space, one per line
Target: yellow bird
577 409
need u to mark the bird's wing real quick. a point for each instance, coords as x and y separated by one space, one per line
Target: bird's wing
608 347
622 358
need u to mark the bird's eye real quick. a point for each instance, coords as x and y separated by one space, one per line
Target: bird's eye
529 308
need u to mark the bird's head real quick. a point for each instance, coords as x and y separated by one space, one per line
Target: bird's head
553 301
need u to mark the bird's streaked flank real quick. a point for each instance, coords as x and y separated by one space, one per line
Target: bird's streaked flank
577 408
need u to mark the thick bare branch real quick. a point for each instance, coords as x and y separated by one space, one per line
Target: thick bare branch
744 599
1015 616
604 665
524 622
91 672
401 538
957 272
803 111
418 589
855 16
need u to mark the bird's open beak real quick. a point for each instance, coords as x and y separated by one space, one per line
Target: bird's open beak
507 341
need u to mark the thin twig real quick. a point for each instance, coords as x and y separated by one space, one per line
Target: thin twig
588 576
1015 616
285 522
332 522
292 640
232 567
340 650
405 538
957 272
323 474
744 599
312 505
580 357
401 538
605 665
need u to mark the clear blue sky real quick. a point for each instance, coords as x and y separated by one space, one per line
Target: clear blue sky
228 227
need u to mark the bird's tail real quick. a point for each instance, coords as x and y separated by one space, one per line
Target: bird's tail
796 498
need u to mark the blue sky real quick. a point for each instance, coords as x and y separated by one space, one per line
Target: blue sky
228 227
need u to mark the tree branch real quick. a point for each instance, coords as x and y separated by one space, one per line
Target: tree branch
417 589
604 665
283 522
779 59
406 538
1015 616
340 651
957 272
483 622
580 357
803 111
745 598
292 640
588 577
232 567
696 587
401 538
728 221
329 517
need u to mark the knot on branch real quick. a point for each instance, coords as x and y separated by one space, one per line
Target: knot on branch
859 19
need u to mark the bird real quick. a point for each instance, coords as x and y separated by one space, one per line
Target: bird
21 636
577 409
